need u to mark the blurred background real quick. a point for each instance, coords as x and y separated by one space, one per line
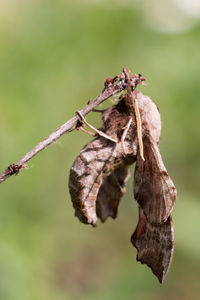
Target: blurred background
54 57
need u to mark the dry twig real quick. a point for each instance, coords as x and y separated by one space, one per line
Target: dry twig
112 86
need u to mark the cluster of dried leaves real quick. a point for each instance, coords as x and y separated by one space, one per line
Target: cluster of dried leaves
98 177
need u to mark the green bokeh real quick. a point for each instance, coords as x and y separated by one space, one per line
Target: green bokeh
54 57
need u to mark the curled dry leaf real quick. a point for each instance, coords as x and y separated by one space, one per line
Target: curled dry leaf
99 175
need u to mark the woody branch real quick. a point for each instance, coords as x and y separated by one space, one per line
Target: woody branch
112 86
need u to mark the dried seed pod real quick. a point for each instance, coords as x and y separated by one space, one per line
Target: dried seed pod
155 244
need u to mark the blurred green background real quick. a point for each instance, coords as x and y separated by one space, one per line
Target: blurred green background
54 57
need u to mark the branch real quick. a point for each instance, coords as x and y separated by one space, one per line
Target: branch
112 86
